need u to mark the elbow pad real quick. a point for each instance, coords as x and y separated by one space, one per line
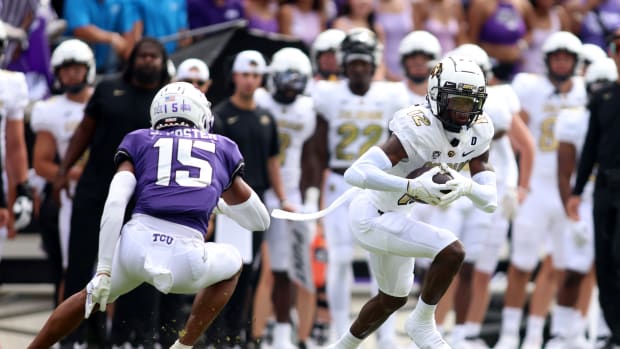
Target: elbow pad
121 190
250 214
484 191
368 172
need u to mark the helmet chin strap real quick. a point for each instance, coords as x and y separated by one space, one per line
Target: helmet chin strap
283 98
74 89
559 78
417 79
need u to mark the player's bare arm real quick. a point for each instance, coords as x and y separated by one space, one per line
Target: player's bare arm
79 142
524 145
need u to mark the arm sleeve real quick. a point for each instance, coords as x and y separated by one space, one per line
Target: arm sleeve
590 151
484 191
369 172
250 214
121 190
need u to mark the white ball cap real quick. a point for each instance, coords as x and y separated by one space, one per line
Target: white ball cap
249 61
192 68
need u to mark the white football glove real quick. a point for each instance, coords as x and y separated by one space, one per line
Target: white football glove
459 186
423 187
510 203
97 292
580 233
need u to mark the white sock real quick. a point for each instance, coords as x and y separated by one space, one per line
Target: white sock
424 312
473 329
459 332
511 319
561 318
535 326
349 341
282 332
178 345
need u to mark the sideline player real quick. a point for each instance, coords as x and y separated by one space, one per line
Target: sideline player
353 116
288 245
452 131
176 171
543 97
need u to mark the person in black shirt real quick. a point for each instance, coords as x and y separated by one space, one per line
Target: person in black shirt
602 146
255 131
117 107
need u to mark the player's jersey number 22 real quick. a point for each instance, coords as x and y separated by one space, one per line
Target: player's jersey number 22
184 157
350 133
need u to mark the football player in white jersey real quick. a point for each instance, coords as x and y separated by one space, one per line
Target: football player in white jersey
289 246
55 119
353 116
445 134
483 234
16 193
419 51
323 54
567 326
541 215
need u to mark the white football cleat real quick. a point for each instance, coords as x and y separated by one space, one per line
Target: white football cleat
424 335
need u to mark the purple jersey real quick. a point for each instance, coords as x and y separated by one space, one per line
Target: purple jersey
181 172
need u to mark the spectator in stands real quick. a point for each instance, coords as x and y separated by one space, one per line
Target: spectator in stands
262 15
98 23
443 18
31 53
396 18
54 121
196 72
208 12
165 20
303 19
600 18
116 108
500 27
547 18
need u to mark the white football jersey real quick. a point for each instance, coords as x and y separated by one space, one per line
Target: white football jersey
414 98
13 101
501 105
296 123
427 142
572 127
59 116
356 123
543 105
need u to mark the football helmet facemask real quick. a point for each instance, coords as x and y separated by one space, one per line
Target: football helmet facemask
73 51
289 72
360 44
456 90
181 104
561 41
419 42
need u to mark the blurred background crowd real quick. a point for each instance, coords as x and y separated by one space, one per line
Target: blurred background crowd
129 48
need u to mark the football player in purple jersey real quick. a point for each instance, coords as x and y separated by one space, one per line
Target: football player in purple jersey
178 173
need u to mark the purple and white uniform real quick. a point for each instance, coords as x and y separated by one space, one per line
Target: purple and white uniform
181 173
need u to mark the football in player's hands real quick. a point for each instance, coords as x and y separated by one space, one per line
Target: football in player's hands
440 177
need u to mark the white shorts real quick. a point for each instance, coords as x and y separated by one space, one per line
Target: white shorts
494 239
169 256
337 232
468 223
393 240
540 217
289 242
581 257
